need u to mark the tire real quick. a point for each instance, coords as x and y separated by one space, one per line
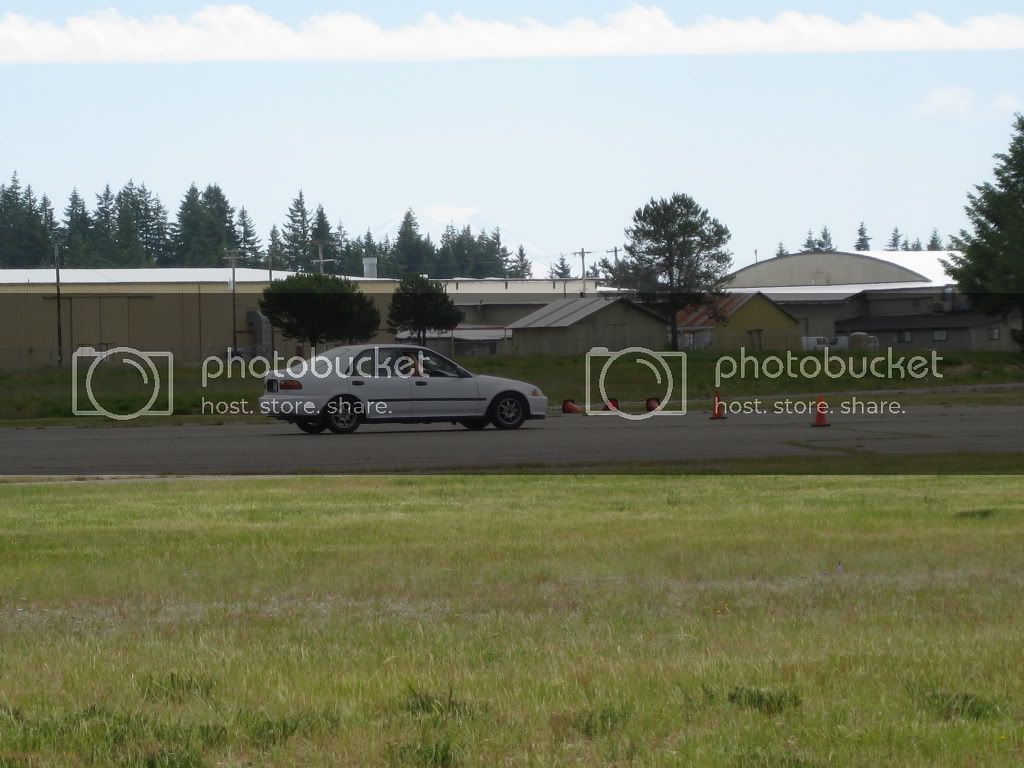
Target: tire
509 411
311 426
475 423
340 417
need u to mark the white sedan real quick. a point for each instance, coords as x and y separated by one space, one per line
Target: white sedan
394 383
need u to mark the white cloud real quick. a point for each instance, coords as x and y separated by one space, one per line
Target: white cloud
1006 102
241 33
947 101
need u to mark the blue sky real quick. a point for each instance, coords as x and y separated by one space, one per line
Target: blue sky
558 151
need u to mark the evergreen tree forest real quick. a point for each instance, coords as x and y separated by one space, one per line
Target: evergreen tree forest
131 227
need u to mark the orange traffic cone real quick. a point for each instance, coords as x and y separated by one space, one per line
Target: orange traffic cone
569 406
653 404
718 408
612 404
821 413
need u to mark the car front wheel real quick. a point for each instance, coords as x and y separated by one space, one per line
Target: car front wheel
508 411
341 416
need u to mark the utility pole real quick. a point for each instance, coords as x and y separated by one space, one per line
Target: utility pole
320 258
615 251
60 328
232 257
270 277
583 253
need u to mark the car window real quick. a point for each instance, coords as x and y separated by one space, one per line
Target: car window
438 367
376 364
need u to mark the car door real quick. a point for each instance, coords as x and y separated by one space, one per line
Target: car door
441 389
374 378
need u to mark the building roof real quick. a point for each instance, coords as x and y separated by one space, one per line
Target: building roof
919 266
915 322
714 312
824 294
562 313
144 275
463 333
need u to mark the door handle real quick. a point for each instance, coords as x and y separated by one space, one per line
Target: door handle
422 383
358 383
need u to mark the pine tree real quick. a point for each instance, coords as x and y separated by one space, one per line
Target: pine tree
77 233
905 245
895 240
825 241
935 241
296 236
863 241
188 232
153 228
811 243
916 245
322 238
248 240
218 226
780 250
520 266
560 270
25 239
104 229
412 254
275 250
127 236
990 268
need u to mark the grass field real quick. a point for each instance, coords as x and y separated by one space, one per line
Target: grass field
44 396
547 621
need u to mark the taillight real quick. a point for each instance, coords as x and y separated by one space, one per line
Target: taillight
291 384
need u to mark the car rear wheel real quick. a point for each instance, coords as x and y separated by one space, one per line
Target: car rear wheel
508 411
341 416
474 423
311 426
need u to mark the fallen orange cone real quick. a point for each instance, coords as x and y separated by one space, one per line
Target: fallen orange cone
821 413
652 404
612 404
569 406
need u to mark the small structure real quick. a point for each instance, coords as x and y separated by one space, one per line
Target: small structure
749 320
575 326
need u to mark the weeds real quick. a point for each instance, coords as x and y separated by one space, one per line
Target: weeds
425 703
432 751
593 722
766 700
955 705
175 686
975 514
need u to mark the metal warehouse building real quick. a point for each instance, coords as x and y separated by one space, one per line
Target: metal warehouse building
195 313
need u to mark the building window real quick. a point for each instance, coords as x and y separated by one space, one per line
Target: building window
904 337
993 334
940 334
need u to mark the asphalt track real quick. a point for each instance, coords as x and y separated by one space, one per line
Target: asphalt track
601 442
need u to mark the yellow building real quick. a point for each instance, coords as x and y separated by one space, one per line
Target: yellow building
749 320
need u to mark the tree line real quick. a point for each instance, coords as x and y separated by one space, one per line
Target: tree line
132 228
898 241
